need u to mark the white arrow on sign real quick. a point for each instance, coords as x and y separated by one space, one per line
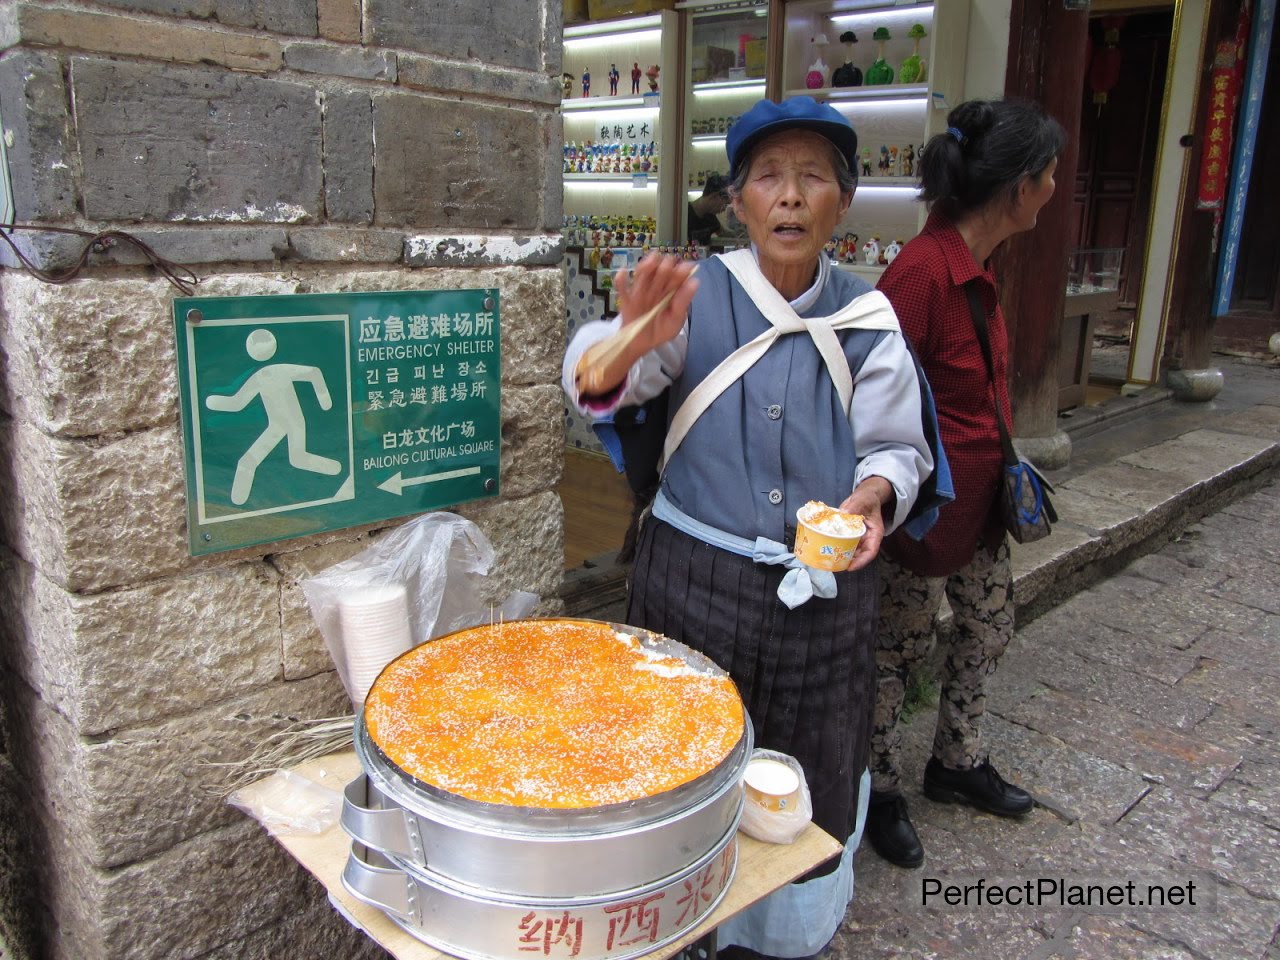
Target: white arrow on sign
395 483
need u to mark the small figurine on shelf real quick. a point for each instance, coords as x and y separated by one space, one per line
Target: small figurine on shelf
847 75
884 161
892 250
636 74
691 251
830 248
816 78
568 85
652 74
880 73
913 68
894 169
850 248
614 76
866 161
606 257
594 258
586 83
909 161
871 251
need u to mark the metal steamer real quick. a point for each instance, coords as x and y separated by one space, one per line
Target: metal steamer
489 881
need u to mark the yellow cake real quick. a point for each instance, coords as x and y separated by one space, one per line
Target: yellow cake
551 713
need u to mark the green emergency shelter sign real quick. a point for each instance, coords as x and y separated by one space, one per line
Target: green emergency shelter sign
315 412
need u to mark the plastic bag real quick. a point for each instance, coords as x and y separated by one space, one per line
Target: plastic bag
286 803
777 826
419 582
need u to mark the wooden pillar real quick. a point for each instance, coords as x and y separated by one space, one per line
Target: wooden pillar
1048 55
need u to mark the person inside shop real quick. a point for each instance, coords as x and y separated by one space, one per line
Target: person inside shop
787 381
704 219
984 179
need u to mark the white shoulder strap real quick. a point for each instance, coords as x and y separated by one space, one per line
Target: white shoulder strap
871 311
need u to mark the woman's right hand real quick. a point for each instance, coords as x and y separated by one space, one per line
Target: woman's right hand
640 290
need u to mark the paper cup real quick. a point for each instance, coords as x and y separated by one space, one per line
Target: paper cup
772 785
820 550
375 630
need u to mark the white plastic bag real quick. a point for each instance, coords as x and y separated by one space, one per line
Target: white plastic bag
426 571
780 826
286 804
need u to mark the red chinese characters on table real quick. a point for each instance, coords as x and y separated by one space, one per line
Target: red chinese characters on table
538 934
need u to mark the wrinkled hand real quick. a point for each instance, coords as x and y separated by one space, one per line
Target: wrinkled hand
640 290
869 499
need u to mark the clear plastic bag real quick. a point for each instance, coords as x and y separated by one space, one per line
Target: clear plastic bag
286 803
418 582
778 826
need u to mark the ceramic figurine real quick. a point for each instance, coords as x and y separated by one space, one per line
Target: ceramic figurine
879 73
635 77
892 250
894 169
586 83
909 161
871 251
568 85
614 76
816 78
880 260
830 248
866 161
594 258
884 161
913 68
652 74
847 75
606 257
850 248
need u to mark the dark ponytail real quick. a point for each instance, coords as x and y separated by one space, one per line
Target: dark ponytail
989 146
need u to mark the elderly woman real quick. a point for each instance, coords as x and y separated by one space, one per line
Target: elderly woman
789 381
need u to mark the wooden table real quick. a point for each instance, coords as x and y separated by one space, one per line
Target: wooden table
762 868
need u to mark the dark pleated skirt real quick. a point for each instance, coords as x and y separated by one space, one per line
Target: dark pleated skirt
807 675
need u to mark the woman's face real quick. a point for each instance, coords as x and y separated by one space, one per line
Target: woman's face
1033 194
791 201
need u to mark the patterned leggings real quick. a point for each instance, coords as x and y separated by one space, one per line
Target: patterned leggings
981 598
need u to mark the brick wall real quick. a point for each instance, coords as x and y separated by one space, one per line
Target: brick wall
275 146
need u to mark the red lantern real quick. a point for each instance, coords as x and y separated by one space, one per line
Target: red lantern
1104 62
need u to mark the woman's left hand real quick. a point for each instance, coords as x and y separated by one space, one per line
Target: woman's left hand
872 496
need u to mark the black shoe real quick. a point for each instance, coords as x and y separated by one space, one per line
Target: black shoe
980 787
890 832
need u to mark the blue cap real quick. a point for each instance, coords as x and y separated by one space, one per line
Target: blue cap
804 113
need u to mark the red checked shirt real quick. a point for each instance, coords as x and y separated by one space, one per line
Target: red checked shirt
925 284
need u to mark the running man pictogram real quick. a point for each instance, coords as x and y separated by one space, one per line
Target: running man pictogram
276 385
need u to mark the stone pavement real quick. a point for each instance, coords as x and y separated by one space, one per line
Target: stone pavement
1140 709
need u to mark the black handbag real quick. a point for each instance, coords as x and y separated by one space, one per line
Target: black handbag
1025 509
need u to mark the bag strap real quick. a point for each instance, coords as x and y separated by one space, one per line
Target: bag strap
1011 458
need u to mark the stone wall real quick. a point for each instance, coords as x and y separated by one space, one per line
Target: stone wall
275 147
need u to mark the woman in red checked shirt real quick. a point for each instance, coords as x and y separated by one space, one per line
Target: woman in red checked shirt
984 180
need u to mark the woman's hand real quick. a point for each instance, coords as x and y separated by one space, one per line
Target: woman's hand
640 290
871 499
605 365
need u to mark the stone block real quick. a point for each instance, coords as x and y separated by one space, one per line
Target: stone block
204 244
130 794
1104 938
348 158
122 657
1039 566
511 34
118 35
216 888
1261 421
40 143
1146 654
318 931
458 165
426 250
1252 792
528 540
532 440
346 244
54 252
1120 523
339 20
334 60
1239 690
450 76
1205 456
1153 750
297 17
21 911
1153 493
174 143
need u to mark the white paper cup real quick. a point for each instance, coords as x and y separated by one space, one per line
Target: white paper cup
772 785
375 630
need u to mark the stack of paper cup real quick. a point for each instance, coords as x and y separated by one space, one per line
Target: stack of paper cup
375 630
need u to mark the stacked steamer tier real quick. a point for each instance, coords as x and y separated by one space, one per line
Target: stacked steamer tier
565 787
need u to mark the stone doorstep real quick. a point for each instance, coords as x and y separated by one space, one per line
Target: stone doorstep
1045 573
